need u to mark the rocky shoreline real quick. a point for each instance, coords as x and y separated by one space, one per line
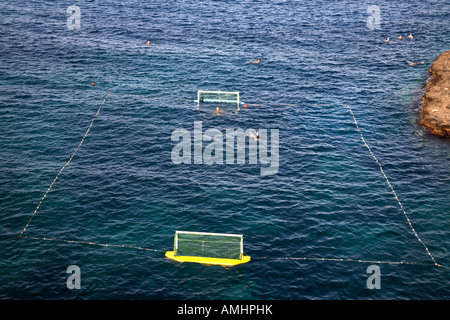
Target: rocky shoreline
435 113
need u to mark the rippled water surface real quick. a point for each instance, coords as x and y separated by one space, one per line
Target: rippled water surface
328 198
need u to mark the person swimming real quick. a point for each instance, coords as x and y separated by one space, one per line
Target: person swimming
388 40
148 42
400 38
410 36
256 61
414 63
218 111
255 136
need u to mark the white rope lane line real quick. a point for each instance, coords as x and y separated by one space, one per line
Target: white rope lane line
95 243
79 146
109 245
352 260
392 189
65 165
149 97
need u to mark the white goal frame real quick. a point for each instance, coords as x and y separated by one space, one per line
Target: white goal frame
175 246
236 93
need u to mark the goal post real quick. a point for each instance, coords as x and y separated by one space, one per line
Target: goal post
204 96
208 248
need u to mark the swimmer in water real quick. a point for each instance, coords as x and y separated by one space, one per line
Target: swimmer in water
414 63
218 111
148 42
257 61
410 36
255 136
400 38
388 40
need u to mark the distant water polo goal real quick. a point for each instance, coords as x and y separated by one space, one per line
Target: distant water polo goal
219 99
208 248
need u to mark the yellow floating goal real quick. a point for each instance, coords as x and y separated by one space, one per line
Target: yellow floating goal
208 248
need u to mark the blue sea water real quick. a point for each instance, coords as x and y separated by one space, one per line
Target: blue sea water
328 198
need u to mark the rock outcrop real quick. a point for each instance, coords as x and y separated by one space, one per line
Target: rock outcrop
435 114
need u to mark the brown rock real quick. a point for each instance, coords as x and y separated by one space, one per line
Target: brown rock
435 113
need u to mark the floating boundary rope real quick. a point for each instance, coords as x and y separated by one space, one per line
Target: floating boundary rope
392 188
352 260
95 243
65 165
272 258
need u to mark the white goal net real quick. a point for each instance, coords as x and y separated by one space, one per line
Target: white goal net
218 98
213 245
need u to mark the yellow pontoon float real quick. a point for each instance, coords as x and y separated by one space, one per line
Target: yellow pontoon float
208 248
